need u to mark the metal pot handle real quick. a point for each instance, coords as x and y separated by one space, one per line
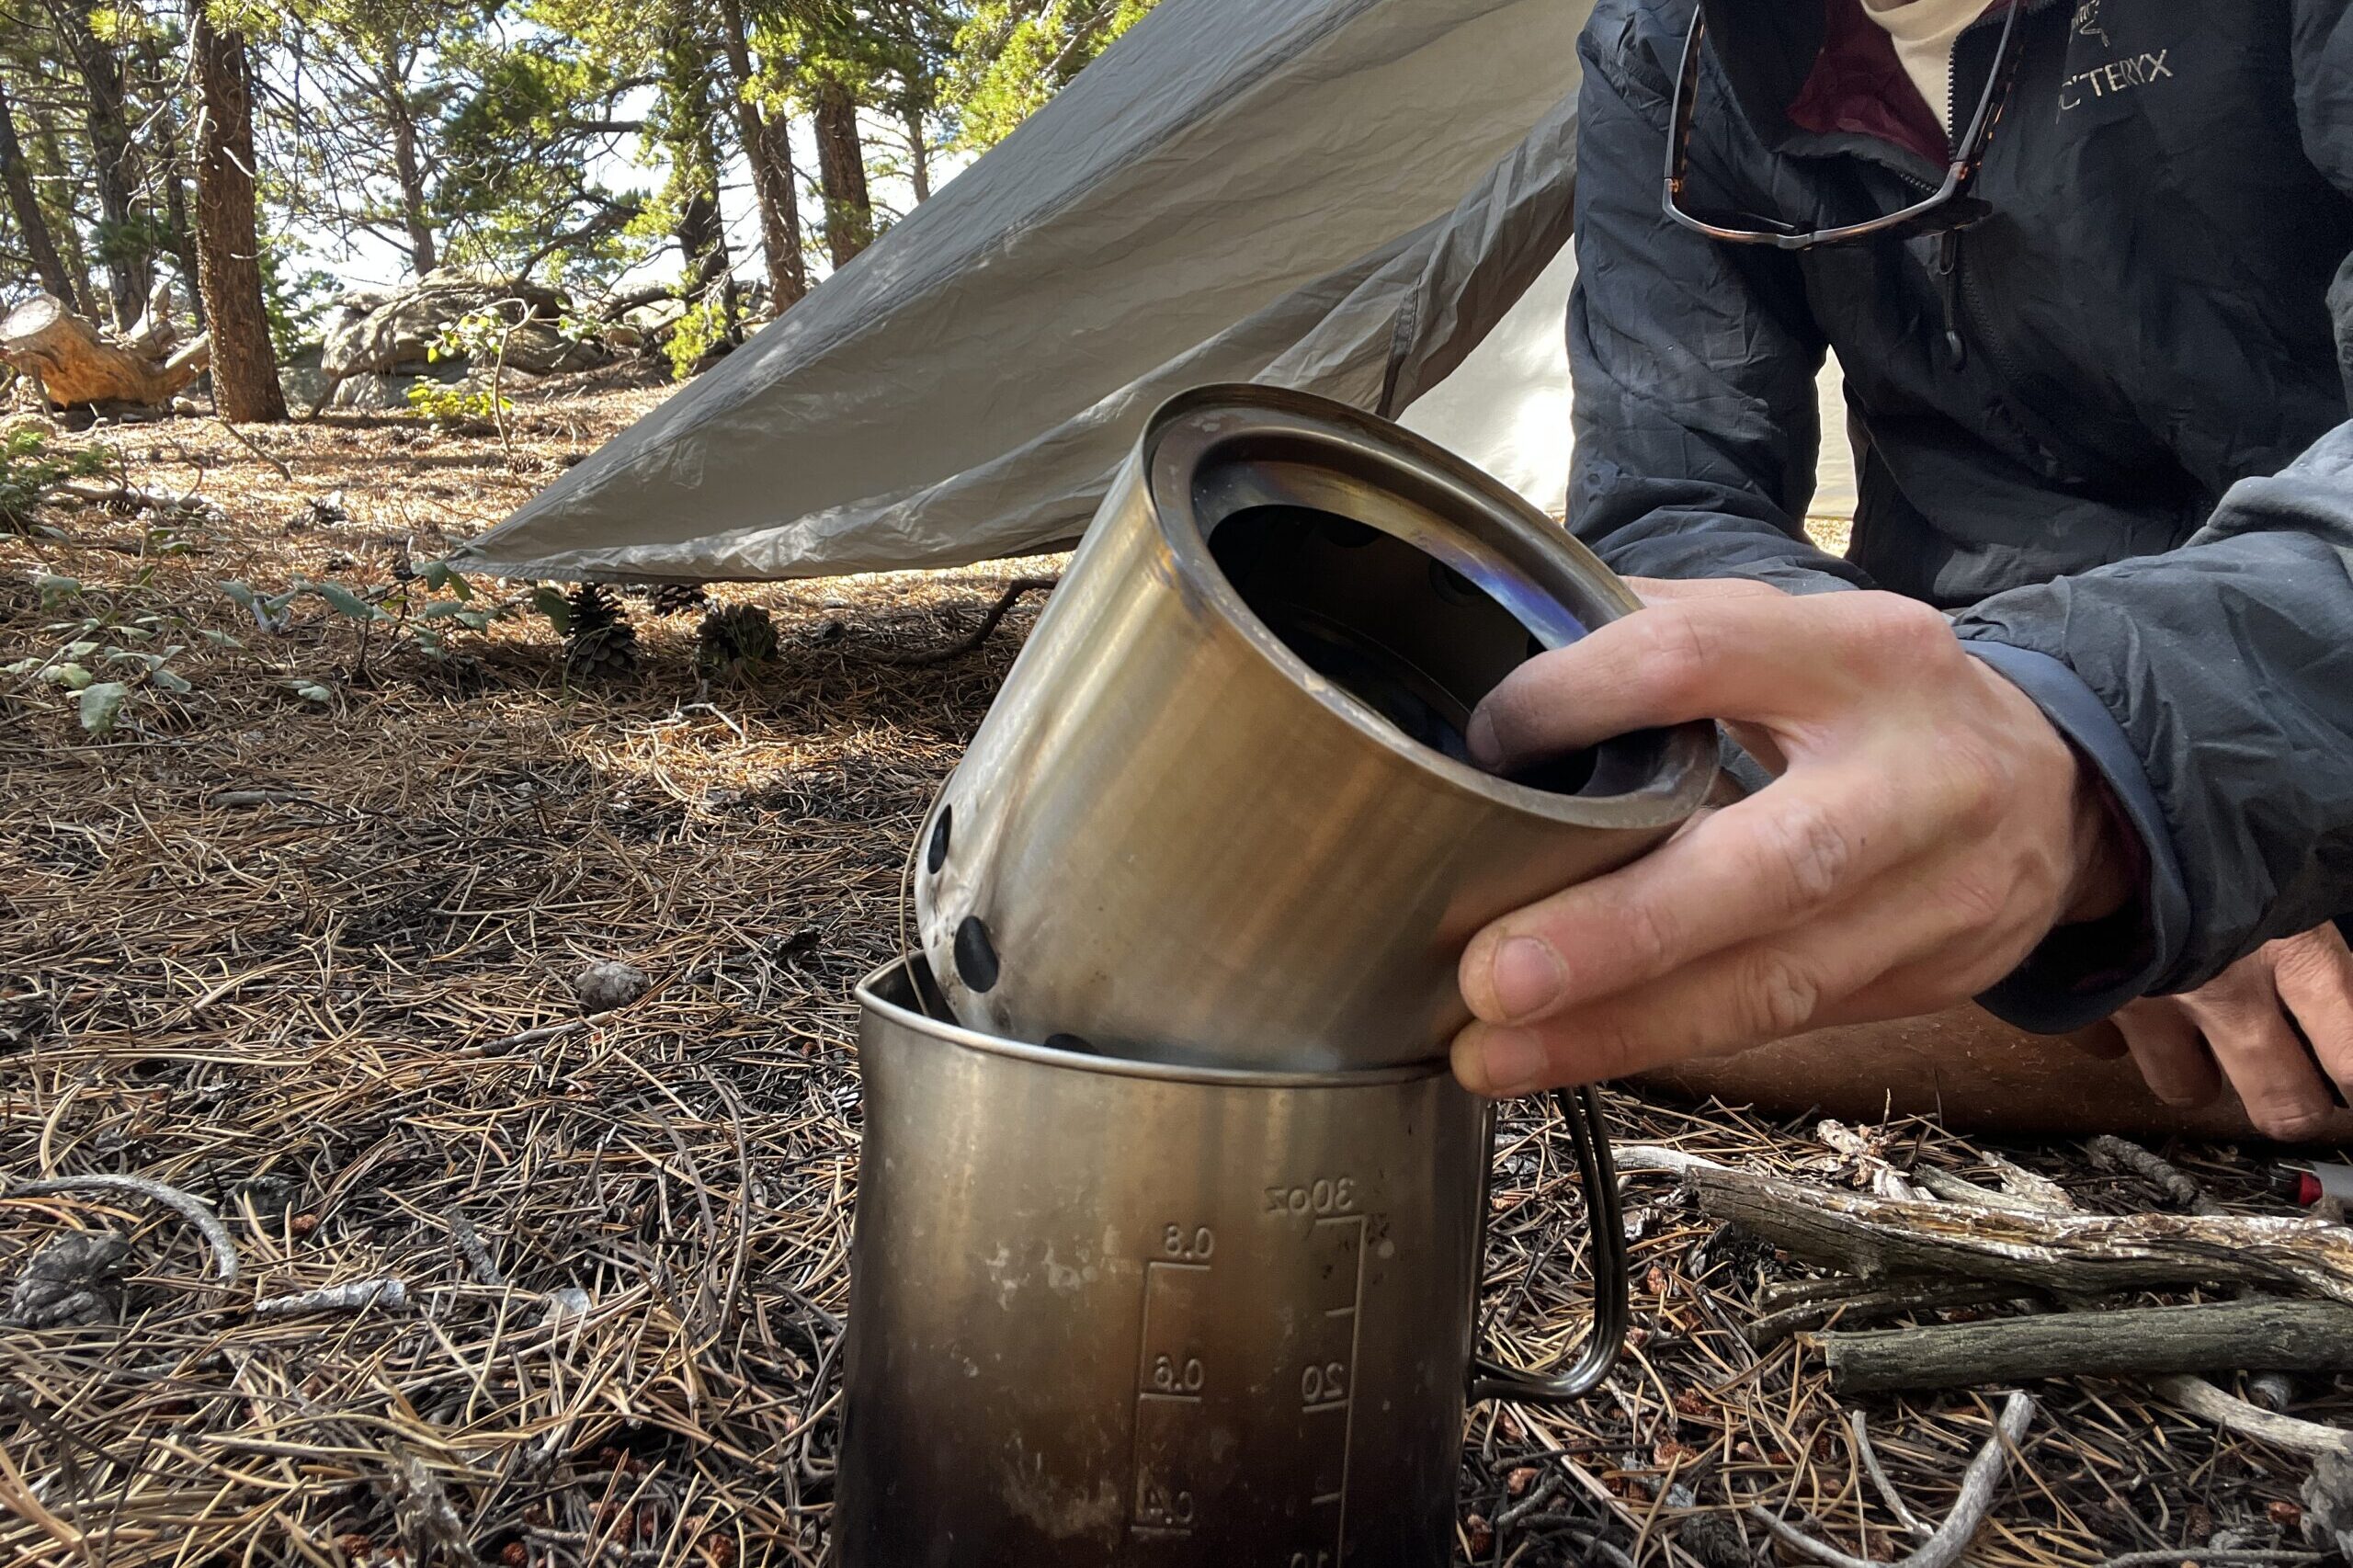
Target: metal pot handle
1597 1173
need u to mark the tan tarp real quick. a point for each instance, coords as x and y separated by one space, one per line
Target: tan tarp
1344 196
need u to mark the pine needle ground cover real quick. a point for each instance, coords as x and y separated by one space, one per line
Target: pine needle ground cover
301 942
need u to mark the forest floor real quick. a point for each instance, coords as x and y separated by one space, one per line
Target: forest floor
299 942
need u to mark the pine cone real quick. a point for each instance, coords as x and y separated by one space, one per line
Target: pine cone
672 598
733 636
602 645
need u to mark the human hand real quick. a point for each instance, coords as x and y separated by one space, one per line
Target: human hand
1927 829
2242 1026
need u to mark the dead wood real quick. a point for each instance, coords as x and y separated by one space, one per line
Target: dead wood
978 635
2073 1254
194 1210
1945 1544
2127 1342
44 338
2209 1403
1857 1306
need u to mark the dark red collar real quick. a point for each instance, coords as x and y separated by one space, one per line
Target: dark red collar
1858 85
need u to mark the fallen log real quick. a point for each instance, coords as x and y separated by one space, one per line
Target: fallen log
2295 1336
43 338
2069 1254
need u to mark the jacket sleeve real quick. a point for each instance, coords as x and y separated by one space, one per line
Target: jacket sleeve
2228 662
1693 363
2228 665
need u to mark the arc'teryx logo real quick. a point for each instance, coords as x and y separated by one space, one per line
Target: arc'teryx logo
2115 76
2087 22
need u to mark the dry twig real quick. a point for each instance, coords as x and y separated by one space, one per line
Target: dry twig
194 1210
1947 1540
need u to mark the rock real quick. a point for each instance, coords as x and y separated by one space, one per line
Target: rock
374 394
2327 1520
654 323
385 331
564 1302
608 983
537 349
305 386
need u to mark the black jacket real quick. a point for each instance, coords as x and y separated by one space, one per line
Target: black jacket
2067 418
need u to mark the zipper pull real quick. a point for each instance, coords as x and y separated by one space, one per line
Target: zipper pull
1947 271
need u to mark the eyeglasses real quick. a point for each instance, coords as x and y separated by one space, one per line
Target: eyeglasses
1950 207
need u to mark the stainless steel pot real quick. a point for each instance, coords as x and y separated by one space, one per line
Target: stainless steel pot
1220 812
1109 1311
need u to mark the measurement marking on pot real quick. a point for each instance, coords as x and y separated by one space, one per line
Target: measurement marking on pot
1354 1312
1172 1372
1178 1481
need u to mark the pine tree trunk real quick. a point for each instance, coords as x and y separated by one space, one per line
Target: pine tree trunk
701 235
767 151
422 253
183 234
918 156
171 157
776 140
841 170
55 172
23 205
130 263
245 365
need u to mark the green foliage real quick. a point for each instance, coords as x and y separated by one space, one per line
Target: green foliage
460 403
118 649
530 142
117 645
29 471
296 298
1013 55
552 603
701 329
572 141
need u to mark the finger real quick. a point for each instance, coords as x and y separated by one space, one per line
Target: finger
1752 869
2247 1028
2313 973
2100 1044
1743 997
1759 657
2169 1052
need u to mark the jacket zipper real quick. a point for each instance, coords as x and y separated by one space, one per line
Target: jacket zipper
1946 266
1956 291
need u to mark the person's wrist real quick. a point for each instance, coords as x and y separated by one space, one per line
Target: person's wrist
2102 852
2105 876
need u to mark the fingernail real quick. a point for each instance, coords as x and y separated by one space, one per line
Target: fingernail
1526 977
1505 1062
1479 736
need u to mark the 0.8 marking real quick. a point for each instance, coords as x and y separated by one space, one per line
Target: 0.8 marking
1193 1246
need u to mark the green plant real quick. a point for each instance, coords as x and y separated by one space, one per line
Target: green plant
461 403
701 330
29 471
108 652
417 619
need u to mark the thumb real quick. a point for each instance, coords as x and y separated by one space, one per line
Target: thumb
1671 590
